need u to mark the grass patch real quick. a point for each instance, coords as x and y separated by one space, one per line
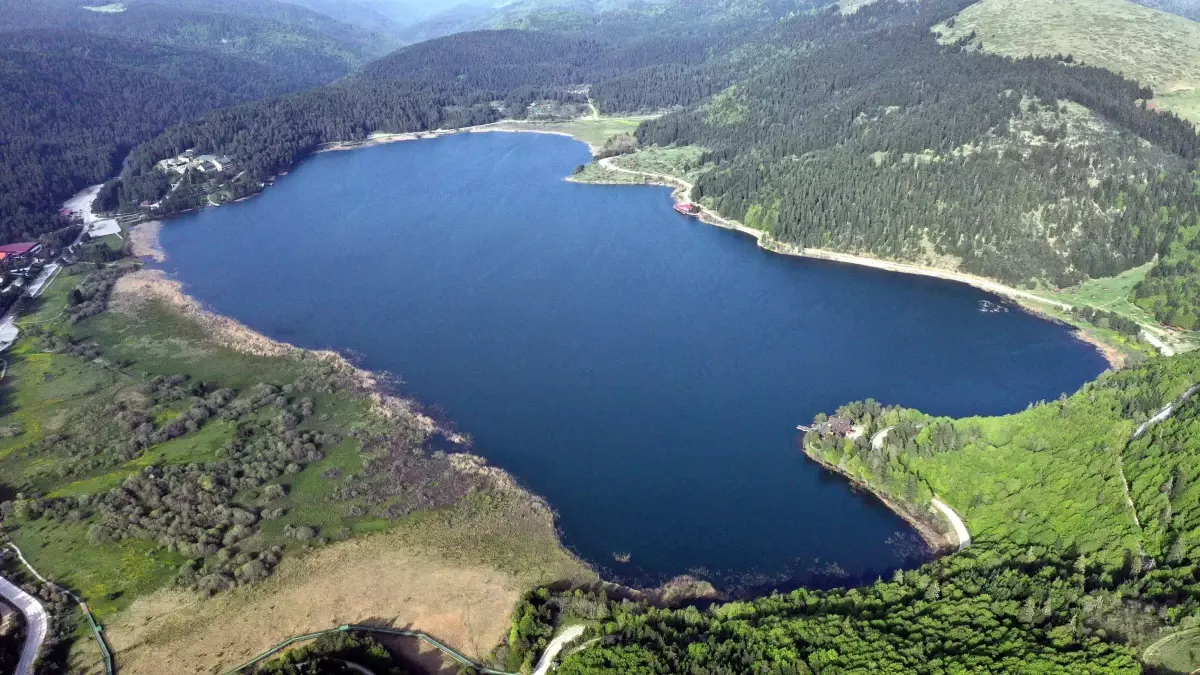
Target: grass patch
109 576
1111 294
684 162
1180 653
310 500
158 341
595 173
1157 49
593 131
201 446
53 300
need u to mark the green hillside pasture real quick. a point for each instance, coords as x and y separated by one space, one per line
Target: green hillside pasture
1159 50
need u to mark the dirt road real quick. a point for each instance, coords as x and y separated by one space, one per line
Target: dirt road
555 646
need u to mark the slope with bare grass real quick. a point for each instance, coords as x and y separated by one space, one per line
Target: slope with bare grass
1159 50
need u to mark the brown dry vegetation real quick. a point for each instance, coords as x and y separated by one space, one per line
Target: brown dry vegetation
457 575
143 241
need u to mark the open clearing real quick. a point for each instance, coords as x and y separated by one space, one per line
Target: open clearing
1159 50
593 131
1178 653
456 575
1111 294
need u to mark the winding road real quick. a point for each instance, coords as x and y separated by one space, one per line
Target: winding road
960 528
555 646
36 624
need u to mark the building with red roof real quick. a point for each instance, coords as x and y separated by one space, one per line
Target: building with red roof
24 248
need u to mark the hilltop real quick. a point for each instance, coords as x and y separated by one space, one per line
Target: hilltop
1155 48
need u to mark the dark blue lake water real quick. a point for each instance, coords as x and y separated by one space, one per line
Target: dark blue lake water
641 370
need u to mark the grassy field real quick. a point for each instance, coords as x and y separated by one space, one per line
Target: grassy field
440 572
593 131
595 173
1179 653
1112 295
1157 49
683 162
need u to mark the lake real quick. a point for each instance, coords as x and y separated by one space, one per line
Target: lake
642 371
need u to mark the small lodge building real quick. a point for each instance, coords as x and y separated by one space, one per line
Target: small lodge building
688 208
840 426
18 253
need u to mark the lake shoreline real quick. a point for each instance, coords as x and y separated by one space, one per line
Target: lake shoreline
1027 301
389 138
148 245
939 544
153 285
1034 304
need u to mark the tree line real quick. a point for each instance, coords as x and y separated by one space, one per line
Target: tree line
890 143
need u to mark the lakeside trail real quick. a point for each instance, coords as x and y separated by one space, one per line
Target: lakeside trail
683 193
960 528
503 126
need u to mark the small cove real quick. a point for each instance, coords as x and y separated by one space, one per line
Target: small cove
642 371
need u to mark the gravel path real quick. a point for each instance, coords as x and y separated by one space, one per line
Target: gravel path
960 528
555 647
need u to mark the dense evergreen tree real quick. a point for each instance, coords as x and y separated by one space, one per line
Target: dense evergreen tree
888 143
81 88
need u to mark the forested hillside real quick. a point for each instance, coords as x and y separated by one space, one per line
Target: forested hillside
67 121
1023 171
1157 49
311 47
457 81
854 132
81 88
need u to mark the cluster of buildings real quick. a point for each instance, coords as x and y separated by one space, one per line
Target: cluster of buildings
190 161
19 264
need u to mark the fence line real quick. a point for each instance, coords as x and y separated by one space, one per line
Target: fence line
428 639
97 629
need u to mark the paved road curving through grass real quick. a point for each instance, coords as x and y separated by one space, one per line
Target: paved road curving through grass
36 624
